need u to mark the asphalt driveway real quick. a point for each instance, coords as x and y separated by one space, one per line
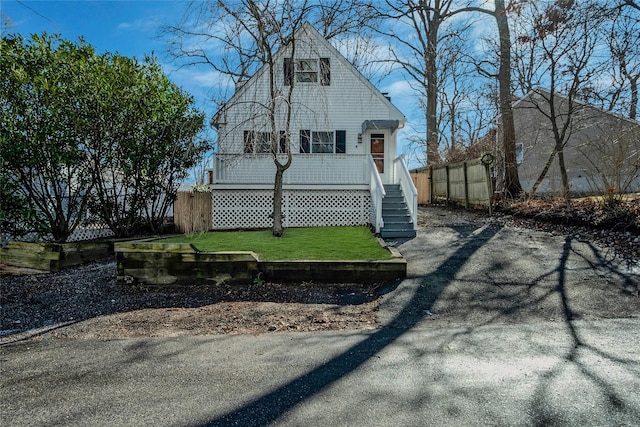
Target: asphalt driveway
523 328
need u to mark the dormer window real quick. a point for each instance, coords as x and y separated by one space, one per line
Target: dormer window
311 70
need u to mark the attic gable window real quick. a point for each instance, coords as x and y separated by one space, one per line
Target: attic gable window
306 70
312 70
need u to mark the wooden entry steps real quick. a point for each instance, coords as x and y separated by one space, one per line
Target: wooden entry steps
396 216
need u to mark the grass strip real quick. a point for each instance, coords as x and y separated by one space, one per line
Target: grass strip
313 243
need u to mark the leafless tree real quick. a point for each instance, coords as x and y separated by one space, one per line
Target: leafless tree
500 13
236 38
614 157
617 88
623 40
465 109
561 45
416 29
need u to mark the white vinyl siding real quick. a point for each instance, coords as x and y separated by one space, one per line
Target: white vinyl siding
344 104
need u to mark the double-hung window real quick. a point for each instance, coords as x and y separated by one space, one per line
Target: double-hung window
260 142
308 70
322 142
257 142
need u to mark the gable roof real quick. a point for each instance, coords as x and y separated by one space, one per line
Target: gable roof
545 92
319 40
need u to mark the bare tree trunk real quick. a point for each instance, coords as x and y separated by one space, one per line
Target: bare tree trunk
535 186
277 229
633 108
564 175
424 19
511 177
433 155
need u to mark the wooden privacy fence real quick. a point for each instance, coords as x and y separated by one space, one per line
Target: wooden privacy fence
465 183
192 212
422 182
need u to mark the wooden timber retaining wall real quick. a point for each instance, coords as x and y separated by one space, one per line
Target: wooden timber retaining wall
180 265
53 256
192 212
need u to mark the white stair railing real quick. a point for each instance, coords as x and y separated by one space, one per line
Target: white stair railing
377 194
409 190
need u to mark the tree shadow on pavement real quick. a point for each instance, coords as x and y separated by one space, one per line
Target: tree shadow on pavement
268 408
614 402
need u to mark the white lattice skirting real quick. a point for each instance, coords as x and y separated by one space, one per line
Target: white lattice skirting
234 209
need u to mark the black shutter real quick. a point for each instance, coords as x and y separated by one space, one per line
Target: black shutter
248 141
341 141
305 141
325 72
283 141
288 70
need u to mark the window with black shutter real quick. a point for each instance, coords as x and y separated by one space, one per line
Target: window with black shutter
283 141
325 72
288 69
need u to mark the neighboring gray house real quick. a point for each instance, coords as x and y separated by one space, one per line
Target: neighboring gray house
343 137
602 149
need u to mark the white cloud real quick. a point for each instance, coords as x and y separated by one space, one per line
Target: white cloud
400 88
150 24
200 76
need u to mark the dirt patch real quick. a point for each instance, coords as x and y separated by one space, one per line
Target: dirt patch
87 302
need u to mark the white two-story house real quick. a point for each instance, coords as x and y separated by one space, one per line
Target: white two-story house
342 135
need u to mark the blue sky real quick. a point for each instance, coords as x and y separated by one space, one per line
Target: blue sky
129 28
132 28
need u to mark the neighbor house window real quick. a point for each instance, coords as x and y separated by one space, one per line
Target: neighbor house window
322 141
312 70
519 153
257 142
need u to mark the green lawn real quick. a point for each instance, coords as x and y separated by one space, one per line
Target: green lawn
317 243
